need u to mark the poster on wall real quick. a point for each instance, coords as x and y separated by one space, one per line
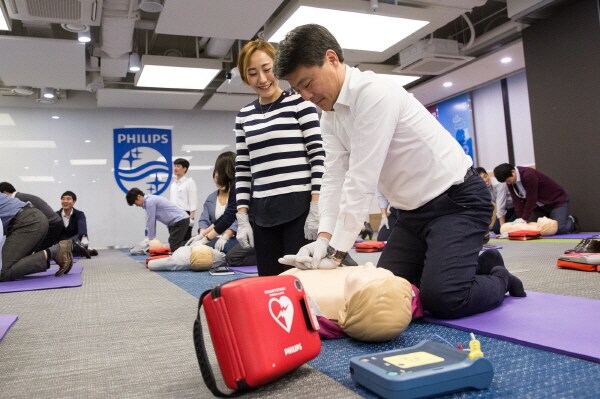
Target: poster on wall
456 116
142 159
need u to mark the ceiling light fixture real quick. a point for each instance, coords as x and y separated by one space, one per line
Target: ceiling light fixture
48 93
84 36
447 84
134 62
151 5
4 20
505 60
22 91
377 32
177 72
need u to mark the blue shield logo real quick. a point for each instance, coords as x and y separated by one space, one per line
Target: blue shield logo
143 159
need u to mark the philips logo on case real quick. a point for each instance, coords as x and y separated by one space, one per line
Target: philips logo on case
142 158
292 349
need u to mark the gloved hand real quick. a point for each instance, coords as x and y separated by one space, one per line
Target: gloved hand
384 222
306 262
192 222
311 226
519 220
203 241
194 239
309 256
220 244
145 243
245 236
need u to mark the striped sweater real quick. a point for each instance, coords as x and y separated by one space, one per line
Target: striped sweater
278 152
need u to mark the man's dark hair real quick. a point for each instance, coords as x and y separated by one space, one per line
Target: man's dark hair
480 170
503 172
6 187
183 162
305 46
69 194
225 167
132 195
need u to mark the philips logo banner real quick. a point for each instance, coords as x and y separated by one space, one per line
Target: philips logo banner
143 159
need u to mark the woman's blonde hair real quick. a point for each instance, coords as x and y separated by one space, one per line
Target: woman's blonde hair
247 51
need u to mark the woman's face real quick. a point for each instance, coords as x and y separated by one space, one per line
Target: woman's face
261 78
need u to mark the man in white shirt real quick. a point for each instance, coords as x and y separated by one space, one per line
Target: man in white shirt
376 135
183 191
505 212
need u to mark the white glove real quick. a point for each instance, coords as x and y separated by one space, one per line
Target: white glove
220 244
309 256
84 241
384 222
245 236
203 241
192 222
145 243
311 226
194 239
519 220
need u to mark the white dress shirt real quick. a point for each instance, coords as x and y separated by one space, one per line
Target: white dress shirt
379 136
500 196
184 194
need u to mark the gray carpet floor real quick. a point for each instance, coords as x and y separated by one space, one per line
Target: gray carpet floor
127 332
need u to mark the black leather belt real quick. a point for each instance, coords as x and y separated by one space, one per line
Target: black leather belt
471 172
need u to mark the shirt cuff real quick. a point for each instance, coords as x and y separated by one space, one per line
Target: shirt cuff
342 240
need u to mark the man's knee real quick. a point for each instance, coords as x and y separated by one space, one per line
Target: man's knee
444 305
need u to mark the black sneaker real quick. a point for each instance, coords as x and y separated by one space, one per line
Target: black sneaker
575 224
581 247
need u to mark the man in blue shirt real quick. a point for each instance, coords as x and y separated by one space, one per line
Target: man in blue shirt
25 228
158 208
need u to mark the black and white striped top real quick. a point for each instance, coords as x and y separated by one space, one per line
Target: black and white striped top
280 151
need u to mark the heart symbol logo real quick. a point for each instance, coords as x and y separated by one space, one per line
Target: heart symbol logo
282 311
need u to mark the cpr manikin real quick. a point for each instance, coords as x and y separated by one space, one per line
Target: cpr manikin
544 225
195 257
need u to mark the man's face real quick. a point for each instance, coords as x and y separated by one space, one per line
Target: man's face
139 201
319 85
179 170
512 179
485 178
67 202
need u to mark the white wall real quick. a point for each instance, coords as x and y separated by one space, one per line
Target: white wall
111 222
520 117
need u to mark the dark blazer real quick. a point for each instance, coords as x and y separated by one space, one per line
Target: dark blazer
77 225
42 205
539 188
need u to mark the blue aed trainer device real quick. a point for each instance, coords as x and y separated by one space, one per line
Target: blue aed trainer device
426 369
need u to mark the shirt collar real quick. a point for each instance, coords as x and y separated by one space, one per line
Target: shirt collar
183 178
344 96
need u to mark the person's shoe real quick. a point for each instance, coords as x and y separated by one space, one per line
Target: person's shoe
79 249
489 259
367 231
64 257
514 284
575 224
581 247
348 261
93 252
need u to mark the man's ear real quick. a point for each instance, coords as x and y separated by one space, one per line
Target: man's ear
332 57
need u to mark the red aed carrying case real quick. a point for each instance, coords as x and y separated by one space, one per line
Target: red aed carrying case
261 328
369 246
524 235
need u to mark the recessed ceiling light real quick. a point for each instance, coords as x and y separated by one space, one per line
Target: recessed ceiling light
26 167
27 144
203 147
87 141
505 60
88 161
22 91
177 72
55 117
447 84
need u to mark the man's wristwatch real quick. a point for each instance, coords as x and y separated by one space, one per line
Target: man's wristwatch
335 255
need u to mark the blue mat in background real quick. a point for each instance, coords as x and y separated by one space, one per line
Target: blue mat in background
519 371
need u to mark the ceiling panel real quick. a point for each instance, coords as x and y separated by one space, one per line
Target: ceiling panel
120 98
226 19
228 102
41 62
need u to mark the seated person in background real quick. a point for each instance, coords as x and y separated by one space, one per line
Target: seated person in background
25 229
158 208
535 194
388 217
218 232
216 204
504 209
367 303
74 225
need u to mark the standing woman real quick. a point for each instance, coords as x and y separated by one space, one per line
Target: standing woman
279 164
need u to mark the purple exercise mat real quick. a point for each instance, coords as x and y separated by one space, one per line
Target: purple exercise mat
44 281
75 259
244 269
575 235
6 322
556 323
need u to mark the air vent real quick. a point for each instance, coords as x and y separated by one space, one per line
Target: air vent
431 57
85 12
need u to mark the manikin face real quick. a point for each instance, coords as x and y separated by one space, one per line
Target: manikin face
179 170
67 202
320 85
260 77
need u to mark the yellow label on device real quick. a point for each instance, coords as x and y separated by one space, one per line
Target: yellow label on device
414 359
